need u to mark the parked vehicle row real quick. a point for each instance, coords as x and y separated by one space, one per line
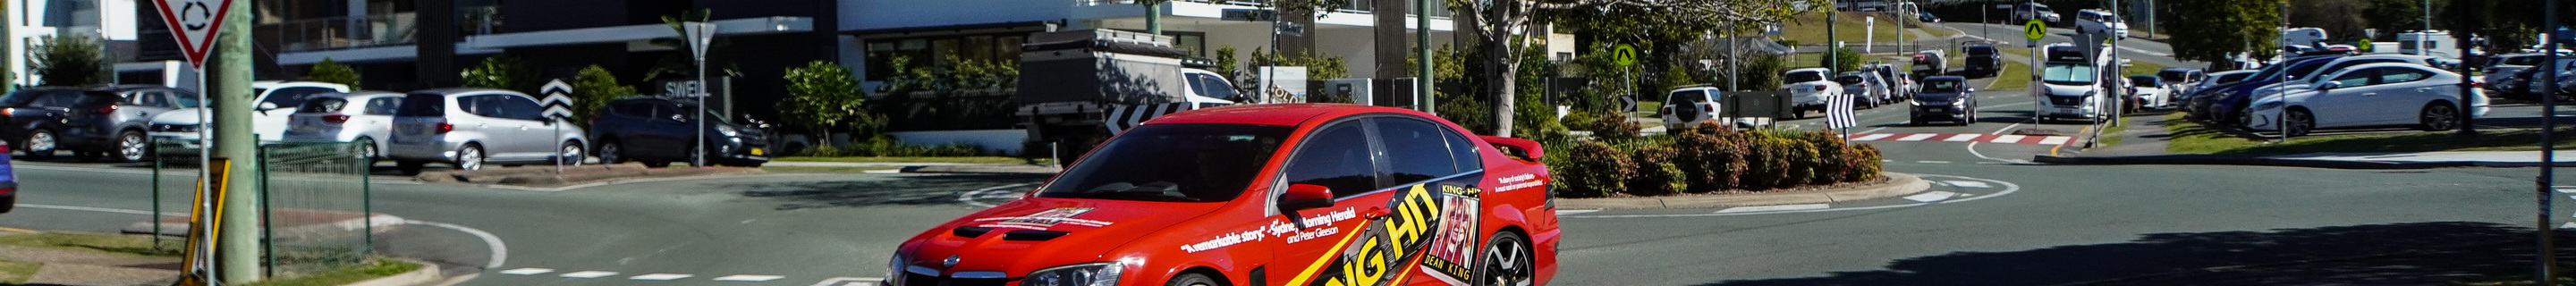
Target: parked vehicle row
91 123
2303 94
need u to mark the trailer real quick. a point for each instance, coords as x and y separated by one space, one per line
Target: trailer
1078 88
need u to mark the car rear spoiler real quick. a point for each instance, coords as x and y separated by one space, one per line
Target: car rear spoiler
1524 148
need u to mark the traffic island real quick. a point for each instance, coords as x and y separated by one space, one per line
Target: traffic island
1888 186
547 176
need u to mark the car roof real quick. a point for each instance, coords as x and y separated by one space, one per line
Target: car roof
1291 114
454 91
271 84
1806 70
2381 65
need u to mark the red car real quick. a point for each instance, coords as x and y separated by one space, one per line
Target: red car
1283 194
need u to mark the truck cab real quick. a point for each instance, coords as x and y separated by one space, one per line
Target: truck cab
2069 87
2438 44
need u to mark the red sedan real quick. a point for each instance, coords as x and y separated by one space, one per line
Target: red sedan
1285 194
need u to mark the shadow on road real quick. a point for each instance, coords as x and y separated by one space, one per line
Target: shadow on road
2384 254
920 190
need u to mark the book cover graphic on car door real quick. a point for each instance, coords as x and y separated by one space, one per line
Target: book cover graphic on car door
1420 221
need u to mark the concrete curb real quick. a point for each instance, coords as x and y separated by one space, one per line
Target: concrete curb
1898 184
545 176
2201 159
427 273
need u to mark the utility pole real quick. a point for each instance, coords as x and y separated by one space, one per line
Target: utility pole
2468 114
1153 16
1832 9
237 247
2548 258
1422 48
8 54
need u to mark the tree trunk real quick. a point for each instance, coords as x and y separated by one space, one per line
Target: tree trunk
1503 69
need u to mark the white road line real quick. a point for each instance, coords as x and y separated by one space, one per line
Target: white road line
500 252
1774 208
1933 162
527 271
107 210
1872 137
850 281
2055 140
1972 145
1963 137
1568 212
749 278
659 277
1967 184
1873 130
2007 139
1932 196
1917 137
589 274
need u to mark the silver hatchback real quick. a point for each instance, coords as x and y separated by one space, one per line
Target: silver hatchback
471 127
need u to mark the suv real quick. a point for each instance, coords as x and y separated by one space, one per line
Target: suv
2096 20
1807 89
90 123
1944 98
658 131
1864 88
1360 195
1693 104
269 123
1983 61
364 118
2027 11
469 127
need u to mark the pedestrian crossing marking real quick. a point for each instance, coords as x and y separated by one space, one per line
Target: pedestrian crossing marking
589 274
1948 137
1869 137
1917 137
749 278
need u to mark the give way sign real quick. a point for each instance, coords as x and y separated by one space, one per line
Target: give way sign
194 22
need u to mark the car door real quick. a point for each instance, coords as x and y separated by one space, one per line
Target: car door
667 131
490 123
2348 103
2403 94
530 137
1422 165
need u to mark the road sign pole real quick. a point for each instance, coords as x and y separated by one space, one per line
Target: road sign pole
238 248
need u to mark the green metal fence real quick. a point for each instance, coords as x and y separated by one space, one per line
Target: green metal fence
316 214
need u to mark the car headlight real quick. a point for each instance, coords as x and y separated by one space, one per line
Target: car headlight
2268 105
894 271
727 131
1088 274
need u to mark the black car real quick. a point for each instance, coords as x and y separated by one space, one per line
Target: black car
1983 61
658 131
1944 98
90 123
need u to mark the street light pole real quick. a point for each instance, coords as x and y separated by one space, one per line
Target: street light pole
2548 257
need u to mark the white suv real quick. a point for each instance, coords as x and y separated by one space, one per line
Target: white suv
469 127
1807 89
1690 105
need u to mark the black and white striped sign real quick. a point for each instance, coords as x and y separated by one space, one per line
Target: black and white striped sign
1838 112
1126 117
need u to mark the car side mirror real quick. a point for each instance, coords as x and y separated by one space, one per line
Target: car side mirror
1306 197
267 105
2329 85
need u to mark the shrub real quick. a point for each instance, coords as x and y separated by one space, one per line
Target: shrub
1711 157
1656 173
1594 170
882 146
333 72
1865 163
68 60
1833 163
1615 128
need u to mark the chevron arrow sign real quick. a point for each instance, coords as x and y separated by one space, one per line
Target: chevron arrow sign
558 99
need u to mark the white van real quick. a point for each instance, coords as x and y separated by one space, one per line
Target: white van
2093 20
2436 43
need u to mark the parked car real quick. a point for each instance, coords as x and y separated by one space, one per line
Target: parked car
2152 92
2225 104
1898 85
8 180
1862 87
1983 61
102 122
472 127
2379 94
1808 88
1926 17
273 99
2502 67
1196 190
1692 104
36 118
2182 80
365 118
1945 98
658 131
2215 80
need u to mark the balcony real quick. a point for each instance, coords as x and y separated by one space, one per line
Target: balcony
340 33
1352 7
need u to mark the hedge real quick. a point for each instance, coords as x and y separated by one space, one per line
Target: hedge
1708 158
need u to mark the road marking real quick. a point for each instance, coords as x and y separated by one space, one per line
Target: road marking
1775 208
2056 140
1967 184
1872 137
1994 163
970 196
850 281
1962 138
1917 137
2151 53
1933 162
16 230
589 274
500 252
2008 187
886 171
1568 212
2568 225
749 278
107 210
2564 189
527 271
1932 196
2006 139
659 276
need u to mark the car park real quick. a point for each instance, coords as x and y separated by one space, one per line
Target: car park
364 118
1283 194
2380 94
2225 104
1808 88
659 131
2503 67
1983 61
1863 88
472 127
274 98
2151 92
1944 98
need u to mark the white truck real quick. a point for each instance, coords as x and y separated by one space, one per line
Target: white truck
2070 82
1077 88
2434 43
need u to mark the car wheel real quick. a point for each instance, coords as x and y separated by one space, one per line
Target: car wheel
1192 279
41 143
2297 123
612 153
132 147
1508 262
367 150
1798 114
409 167
2438 117
571 153
469 158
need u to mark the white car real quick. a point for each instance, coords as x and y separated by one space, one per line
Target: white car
2303 81
275 98
364 118
1807 89
2092 19
1693 104
2383 94
2152 91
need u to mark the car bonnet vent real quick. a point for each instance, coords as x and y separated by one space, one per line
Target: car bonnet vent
1032 235
970 231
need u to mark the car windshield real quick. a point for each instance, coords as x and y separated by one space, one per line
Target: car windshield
1981 50
2068 74
1802 76
1172 163
1942 85
2146 80
295 96
1848 79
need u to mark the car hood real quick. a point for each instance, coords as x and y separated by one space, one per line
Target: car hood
1016 236
182 116
1943 97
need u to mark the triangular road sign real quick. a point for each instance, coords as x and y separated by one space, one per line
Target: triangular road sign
195 23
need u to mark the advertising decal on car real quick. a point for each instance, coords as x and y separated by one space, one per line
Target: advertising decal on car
1383 252
1042 220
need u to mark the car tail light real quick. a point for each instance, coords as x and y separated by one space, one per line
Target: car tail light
336 118
4 148
444 127
1820 88
1667 110
107 109
1707 108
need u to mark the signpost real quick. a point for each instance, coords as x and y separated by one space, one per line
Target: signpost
1626 56
558 102
216 256
2034 30
699 35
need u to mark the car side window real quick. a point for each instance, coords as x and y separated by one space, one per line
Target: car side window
1415 151
481 105
383 105
666 111
151 98
2356 78
2388 76
1337 158
522 108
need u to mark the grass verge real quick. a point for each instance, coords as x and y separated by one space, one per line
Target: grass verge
2014 76
2191 137
1647 109
2137 67
1810 29
963 160
2114 133
373 269
17 273
137 245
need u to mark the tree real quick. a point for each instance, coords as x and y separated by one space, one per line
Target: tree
2393 16
69 60
822 97
592 88
1500 27
333 72
503 72
680 64
2222 28
2337 17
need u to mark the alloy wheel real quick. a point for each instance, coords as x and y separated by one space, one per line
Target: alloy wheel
130 147
1508 262
470 159
2438 117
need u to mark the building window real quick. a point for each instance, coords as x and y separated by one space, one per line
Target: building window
938 51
